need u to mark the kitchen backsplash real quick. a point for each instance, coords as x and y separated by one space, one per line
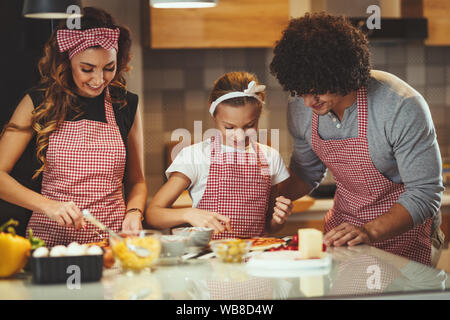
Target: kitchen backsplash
177 85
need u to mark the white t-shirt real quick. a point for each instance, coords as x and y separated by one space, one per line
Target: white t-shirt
194 162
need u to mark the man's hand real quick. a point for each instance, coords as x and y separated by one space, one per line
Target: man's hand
346 234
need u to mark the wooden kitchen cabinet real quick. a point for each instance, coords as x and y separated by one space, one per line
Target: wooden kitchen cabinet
436 12
231 24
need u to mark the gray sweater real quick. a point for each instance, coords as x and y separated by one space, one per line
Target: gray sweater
401 137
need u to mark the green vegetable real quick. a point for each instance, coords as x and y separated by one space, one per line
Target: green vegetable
35 241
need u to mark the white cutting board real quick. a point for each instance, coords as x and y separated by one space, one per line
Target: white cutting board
287 263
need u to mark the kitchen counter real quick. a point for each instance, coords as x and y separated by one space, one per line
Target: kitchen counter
321 206
356 272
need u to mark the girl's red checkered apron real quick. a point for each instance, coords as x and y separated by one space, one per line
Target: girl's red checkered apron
363 193
86 163
238 186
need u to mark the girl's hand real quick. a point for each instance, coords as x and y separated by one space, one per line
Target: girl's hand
282 210
202 218
66 214
132 221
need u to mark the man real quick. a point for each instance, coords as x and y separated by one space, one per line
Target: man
370 129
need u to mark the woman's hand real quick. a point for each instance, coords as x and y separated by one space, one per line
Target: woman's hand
66 214
132 221
202 218
282 210
346 233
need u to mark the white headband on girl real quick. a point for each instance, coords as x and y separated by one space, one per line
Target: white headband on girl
251 91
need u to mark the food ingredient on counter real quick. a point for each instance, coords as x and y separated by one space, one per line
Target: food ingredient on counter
41 252
310 243
14 250
35 241
76 249
232 250
72 250
94 250
58 251
108 258
129 259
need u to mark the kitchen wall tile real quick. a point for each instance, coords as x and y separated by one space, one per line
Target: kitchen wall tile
277 100
194 58
397 70
153 101
438 113
235 58
214 58
153 79
447 95
269 56
210 75
378 55
173 100
153 141
152 58
415 75
415 54
435 75
173 59
434 55
173 79
154 183
196 100
154 164
174 120
255 58
447 74
193 78
272 81
153 122
435 95
421 90
395 54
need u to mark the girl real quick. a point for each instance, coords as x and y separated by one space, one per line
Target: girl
232 179
87 132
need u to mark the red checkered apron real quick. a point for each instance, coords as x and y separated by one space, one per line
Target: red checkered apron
86 162
363 193
238 187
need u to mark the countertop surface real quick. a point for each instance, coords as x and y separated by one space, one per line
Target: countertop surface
360 271
321 206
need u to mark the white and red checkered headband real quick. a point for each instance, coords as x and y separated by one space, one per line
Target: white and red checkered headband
251 91
76 41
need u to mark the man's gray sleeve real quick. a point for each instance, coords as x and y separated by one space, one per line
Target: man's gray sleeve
304 162
413 138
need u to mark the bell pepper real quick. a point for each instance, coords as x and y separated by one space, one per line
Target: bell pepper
14 250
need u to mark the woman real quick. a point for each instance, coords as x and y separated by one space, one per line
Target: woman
88 136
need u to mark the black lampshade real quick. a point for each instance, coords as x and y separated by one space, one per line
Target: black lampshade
48 9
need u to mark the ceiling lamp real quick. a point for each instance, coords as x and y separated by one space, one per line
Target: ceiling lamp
182 4
49 9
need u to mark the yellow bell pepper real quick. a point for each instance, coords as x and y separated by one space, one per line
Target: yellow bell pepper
14 250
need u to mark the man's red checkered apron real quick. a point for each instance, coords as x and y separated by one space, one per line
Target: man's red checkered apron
363 193
86 163
238 187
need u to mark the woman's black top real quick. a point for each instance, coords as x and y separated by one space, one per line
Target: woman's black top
93 109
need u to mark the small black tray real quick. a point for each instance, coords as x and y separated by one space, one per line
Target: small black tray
55 269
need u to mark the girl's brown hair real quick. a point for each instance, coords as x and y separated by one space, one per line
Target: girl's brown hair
59 87
235 81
